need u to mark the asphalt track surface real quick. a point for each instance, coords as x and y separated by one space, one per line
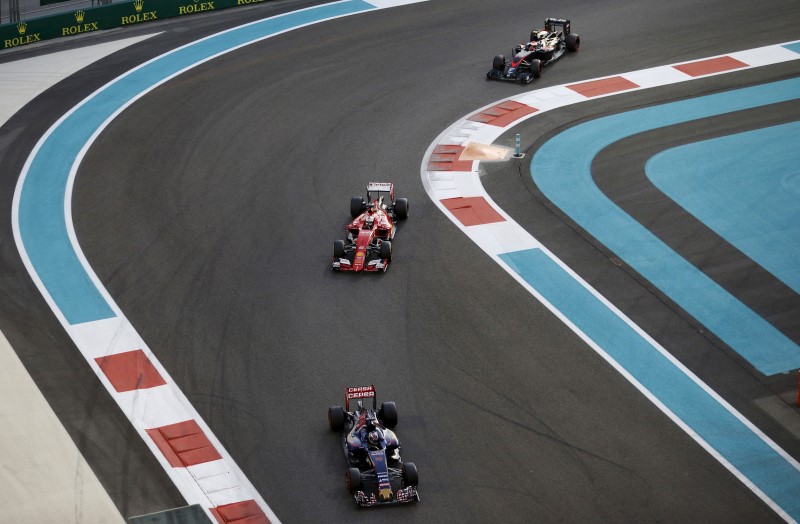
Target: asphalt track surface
208 209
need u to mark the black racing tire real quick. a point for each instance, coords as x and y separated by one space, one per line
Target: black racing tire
536 68
410 475
388 414
386 250
401 208
353 480
357 206
336 418
573 42
499 62
338 249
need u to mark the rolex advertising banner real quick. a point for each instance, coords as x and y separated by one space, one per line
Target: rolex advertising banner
106 17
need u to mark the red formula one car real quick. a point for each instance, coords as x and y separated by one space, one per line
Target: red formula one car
368 246
375 473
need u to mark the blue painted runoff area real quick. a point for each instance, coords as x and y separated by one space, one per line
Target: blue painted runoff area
42 220
746 187
738 444
561 168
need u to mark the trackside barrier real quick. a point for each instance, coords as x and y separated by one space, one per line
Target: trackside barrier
106 17
798 387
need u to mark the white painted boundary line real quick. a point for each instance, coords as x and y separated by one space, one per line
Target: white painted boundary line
442 185
210 484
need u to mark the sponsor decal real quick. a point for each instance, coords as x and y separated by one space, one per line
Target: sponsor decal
197 7
80 27
140 16
360 392
22 39
245 2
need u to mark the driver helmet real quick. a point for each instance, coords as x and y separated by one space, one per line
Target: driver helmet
369 222
374 438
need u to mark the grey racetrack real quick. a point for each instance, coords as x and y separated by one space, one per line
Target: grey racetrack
209 207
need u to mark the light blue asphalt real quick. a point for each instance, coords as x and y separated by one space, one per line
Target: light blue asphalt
42 220
746 187
742 448
561 168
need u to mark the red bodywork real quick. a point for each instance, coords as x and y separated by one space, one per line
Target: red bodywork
382 229
367 240
368 245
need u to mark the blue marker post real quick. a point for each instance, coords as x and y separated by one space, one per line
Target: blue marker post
517 153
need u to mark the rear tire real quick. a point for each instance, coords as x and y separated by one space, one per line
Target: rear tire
336 418
573 42
388 414
357 206
386 250
401 208
354 482
338 249
499 62
410 475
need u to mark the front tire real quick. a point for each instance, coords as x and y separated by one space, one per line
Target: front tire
386 250
336 418
499 62
338 249
536 68
410 475
357 206
388 414
401 208
354 482
573 42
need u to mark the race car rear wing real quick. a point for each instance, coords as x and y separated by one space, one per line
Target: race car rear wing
380 187
553 25
358 393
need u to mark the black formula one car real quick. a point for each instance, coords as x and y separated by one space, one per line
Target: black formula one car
375 473
545 47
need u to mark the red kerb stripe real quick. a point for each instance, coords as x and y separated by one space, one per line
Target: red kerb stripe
603 86
502 114
130 371
712 65
240 513
184 444
445 157
472 211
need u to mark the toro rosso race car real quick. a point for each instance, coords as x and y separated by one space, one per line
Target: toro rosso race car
545 47
368 246
375 473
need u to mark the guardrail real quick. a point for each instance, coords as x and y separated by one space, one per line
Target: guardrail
106 17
